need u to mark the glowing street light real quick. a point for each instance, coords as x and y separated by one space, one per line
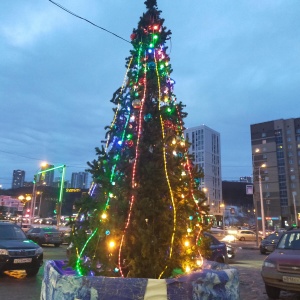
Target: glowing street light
261 201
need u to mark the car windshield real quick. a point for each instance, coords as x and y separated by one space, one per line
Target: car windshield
290 240
272 236
11 233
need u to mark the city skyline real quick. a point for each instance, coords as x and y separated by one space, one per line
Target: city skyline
77 180
235 64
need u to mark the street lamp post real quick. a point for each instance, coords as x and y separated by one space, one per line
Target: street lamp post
41 195
261 202
24 200
295 208
254 199
222 208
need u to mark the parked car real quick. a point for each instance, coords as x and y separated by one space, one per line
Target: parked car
17 252
66 236
246 235
218 249
281 268
268 244
45 235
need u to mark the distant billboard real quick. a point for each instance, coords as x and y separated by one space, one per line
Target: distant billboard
249 189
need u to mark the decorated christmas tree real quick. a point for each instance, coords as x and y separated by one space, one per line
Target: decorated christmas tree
144 215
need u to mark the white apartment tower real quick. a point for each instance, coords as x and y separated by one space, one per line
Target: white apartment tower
206 150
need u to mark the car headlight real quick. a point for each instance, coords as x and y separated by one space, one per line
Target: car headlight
269 264
39 250
3 252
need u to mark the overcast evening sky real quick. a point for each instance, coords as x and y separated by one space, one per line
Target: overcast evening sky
235 63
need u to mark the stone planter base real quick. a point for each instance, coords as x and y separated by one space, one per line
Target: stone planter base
213 281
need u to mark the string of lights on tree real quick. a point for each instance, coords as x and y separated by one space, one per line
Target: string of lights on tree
145 213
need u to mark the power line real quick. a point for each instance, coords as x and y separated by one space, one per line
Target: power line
73 14
20 155
72 165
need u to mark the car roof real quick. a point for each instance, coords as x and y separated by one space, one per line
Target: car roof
5 223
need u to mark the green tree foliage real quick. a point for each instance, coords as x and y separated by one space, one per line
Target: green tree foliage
148 200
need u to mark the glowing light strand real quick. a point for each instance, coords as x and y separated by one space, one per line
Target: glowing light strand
134 170
78 267
165 166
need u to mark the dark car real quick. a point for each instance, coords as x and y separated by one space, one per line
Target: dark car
281 269
268 244
45 235
17 252
218 249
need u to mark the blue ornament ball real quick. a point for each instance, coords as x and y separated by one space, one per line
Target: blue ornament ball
148 117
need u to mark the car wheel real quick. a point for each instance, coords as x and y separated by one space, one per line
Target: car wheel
56 245
242 238
32 272
272 292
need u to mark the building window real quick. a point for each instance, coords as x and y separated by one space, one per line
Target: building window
293 177
264 142
298 130
280 154
263 134
288 131
282 185
290 161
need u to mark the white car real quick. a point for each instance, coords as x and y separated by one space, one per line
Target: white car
246 235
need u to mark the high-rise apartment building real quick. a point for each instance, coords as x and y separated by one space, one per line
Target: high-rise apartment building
18 179
80 180
206 150
276 169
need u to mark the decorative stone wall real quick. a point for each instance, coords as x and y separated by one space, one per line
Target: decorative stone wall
213 281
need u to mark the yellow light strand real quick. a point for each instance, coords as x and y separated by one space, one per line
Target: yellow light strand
165 167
